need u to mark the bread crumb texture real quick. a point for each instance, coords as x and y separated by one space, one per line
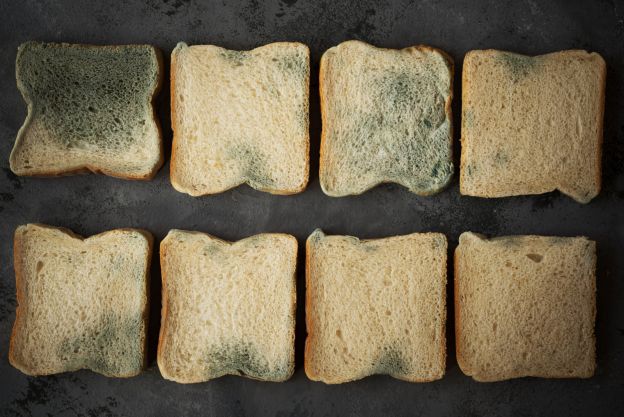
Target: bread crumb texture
228 308
386 118
376 307
82 303
531 125
240 117
525 306
89 107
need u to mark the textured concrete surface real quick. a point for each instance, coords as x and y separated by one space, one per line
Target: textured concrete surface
90 204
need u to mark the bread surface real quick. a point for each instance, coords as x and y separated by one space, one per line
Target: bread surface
82 303
375 307
228 308
525 306
240 117
531 125
89 109
386 118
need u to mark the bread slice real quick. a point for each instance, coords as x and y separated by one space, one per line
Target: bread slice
82 303
89 109
240 117
375 307
386 118
228 308
531 125
525 306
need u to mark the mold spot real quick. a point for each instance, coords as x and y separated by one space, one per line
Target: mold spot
255 164
112 347
518 65
90 82
236 58
391 362
243 359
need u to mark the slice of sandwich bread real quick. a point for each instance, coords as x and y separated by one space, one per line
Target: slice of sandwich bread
89 109
525 306
240 117
375 307
228 308
81 303
531 125
386 118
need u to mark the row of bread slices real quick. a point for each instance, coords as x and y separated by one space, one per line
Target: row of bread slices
529 124
524 305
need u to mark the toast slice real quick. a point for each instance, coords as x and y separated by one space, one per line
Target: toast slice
386 118
228 308
240 117
89 109
531 125
525 306
375 307
81 303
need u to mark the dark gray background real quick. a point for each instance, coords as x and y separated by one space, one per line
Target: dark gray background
90 204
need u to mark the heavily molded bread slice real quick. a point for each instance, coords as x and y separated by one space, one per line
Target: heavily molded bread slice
525 306
531 125
82 303
228 308
240 117
375 307
386 118
89 108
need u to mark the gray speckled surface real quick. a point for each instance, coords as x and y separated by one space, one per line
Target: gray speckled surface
90 204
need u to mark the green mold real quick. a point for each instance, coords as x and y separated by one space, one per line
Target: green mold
87 96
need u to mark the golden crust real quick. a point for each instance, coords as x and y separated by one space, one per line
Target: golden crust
307 365
163 310
457 306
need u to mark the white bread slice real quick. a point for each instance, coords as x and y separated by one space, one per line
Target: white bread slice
240 117
228 308
89 109
375 307
82 303
525 306
386 118
531 125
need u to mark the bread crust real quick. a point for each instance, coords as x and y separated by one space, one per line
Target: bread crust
309 317
19 284
457 307
163 308
173 174
162 336
486 193
324 117
89 168
307 365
